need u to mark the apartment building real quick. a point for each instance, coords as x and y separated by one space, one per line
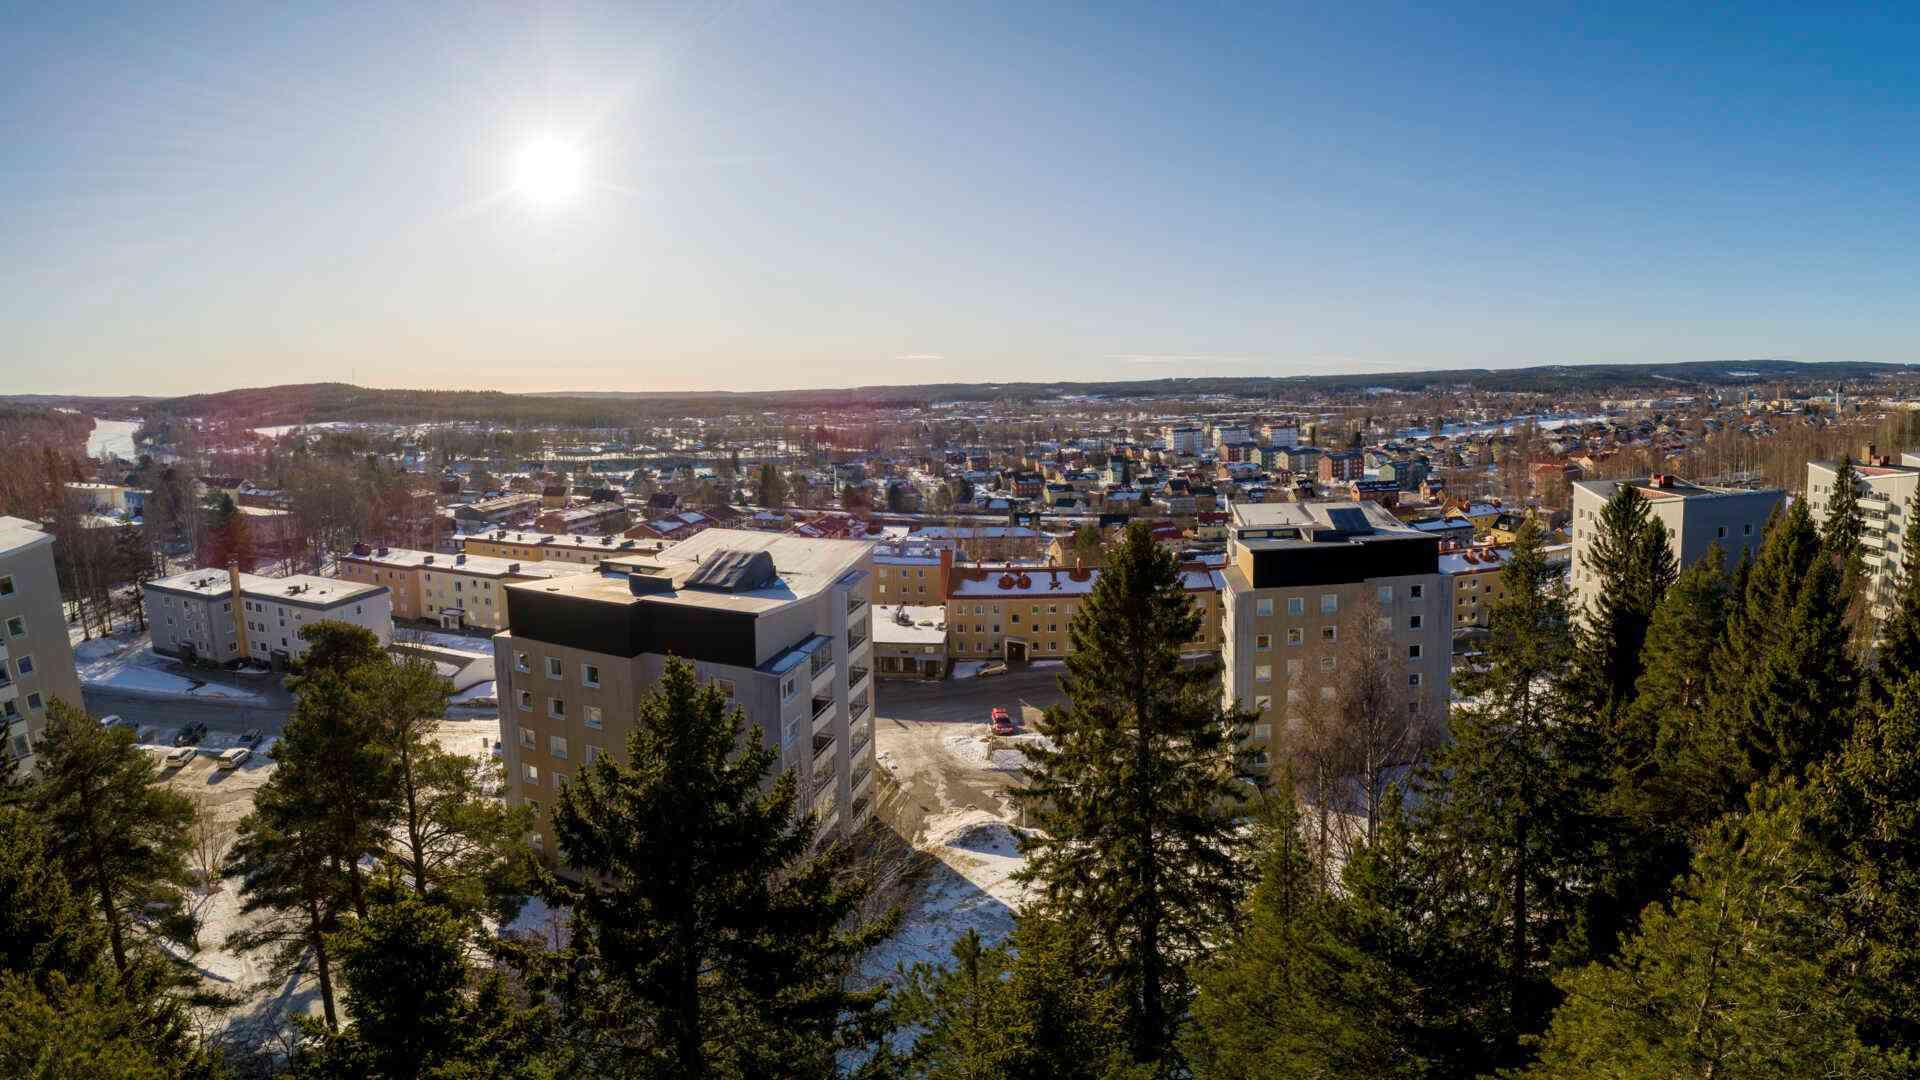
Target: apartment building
1298 578
908 573
499 510
36 658
1696 516
218 617
1885 493
782 624
1021 613
530 547
1339 466
1474 582
457 591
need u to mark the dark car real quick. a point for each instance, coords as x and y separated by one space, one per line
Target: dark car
1002 722
191 734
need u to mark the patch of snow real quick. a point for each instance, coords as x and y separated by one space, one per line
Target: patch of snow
485 693
112 437
992 751
444 640
972 888
130 665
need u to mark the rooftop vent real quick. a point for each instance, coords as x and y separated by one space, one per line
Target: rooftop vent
459 560
513 568
731 570
428 560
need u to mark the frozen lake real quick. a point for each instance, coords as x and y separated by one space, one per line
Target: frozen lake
112 437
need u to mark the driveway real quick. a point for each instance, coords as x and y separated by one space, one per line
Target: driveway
916 730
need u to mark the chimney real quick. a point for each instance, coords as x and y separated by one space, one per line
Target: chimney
946 571
239 608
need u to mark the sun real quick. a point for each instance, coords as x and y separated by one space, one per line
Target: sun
547 171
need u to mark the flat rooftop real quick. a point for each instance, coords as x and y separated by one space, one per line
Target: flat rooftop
18 534
1285 524
803 567
1670 487
481 565
304 589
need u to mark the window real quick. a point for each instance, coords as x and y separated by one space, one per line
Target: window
559 780
1329 603
726 687
526 700
591 715
520 661
1263 673
589 674
25 664
1294 668
17 626
1384 622
1326 693
1262 642
1386 594
1413 622
531 773
1263 608
1747 529
1296 636
227 606
1261 704
1329 633
557 746
34 703
556 708
1413 652
1015 618
1296 605
6 585
554 668
1327 663
1413 678
527 738
593 753
1721 532
1416 591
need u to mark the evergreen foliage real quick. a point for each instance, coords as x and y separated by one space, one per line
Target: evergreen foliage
1135 802
710 935
1898 656
1633 564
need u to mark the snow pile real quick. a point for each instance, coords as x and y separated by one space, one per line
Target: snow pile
971 888
991 751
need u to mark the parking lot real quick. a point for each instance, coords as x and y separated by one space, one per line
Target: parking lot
932 737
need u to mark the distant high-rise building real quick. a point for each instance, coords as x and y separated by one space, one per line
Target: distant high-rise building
1696 516
1886 493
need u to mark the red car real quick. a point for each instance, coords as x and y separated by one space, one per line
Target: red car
1002 723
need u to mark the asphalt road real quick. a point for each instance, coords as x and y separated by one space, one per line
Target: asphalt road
171 714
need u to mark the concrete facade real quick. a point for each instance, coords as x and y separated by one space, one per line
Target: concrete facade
1886 494
193 616
1696 517
36 657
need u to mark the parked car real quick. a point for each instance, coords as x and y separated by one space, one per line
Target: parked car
1002 722
234 758
191 734
250 738
180 756
995 668
114 720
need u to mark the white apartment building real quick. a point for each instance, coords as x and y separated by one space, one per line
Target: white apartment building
36 657
782 624
211 615
1886 494
1696 516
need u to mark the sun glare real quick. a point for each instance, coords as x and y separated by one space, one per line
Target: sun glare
547 171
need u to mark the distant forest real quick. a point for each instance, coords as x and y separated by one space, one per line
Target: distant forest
314 402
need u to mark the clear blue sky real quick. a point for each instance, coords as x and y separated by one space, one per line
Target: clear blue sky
822 194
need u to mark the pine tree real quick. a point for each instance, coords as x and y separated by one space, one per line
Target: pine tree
1291 995
65 1030
1633 563
1898 656
118 829
1508 800
1734 981
1135 801
710 936
337 770
286 859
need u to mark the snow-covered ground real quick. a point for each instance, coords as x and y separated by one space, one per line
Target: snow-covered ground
131 665
112 437
1000 752
971 888
442 640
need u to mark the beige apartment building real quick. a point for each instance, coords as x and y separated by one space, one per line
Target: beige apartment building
457 591
1696 516
1299 578
532 547
783 625
1020 613
36 658
1886 493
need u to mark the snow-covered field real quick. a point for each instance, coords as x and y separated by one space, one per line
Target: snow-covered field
112 437
1000 752
131 665
971 888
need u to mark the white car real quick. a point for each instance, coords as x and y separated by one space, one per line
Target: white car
234 758
180 756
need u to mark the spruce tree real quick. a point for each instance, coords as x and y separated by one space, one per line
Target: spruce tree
1734 981
1135 801
66 1030
1898 655
1508 801
1291 995
118 829
1842 534
710 935
1633 563
46 928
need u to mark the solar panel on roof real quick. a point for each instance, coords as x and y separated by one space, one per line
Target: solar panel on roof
1349 519
731 570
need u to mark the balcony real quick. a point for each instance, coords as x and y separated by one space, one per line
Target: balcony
855 602
860 779
856 676
822 661
861 736
858 709
821 707
856 637
860 809
822 759
822 782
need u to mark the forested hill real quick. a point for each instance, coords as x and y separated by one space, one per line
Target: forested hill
312 402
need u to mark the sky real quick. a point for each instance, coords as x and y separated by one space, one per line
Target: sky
820 194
